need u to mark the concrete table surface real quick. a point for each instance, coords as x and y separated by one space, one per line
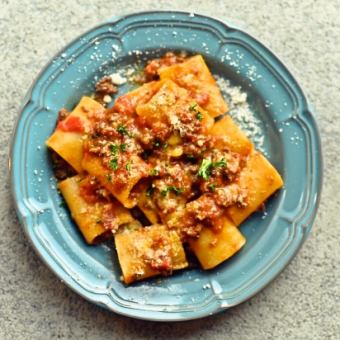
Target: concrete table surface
302 303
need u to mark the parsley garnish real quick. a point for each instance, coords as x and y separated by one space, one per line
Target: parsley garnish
123 131
220 164
212 187
207 165
128 166
193 107
199 116
113 149
123 147
113 164
175 190
205 169
154 172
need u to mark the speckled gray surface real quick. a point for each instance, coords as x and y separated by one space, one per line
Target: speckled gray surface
302 303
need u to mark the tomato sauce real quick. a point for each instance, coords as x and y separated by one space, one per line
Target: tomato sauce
71 124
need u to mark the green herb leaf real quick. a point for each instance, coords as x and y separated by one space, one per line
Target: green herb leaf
212 187
205 169
123 130
164 192
154 172
113 149
175 190
207 165
128 166
220 164
123 147
113 164
199 116
193 107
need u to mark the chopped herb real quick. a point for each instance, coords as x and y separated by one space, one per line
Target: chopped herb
164 192
212 187
220 164
207 165
123 147
113 164
109 177
128 166
154 172
123 131
199 116
193 107
205 169
175 190
113 149
165 146
149 191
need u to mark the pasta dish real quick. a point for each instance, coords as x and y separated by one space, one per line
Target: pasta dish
165 171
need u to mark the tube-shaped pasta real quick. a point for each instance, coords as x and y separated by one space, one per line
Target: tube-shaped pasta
261 180
92 217
67 139
119 182
213 246
229 135
149 251
146 204
195 76
127 103
168 104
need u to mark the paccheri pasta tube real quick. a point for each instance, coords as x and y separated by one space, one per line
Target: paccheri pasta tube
158 174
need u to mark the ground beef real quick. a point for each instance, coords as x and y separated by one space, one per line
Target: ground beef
105 86
170 58
62 114
61 168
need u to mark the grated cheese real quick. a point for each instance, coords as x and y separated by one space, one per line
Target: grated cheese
117 79
240 111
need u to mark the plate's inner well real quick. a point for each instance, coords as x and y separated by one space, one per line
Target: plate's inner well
273 120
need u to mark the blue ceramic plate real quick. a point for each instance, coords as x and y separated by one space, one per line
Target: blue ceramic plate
291 142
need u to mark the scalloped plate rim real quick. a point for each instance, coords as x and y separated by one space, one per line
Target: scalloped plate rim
164 315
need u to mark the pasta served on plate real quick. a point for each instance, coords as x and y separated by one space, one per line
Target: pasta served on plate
164 171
